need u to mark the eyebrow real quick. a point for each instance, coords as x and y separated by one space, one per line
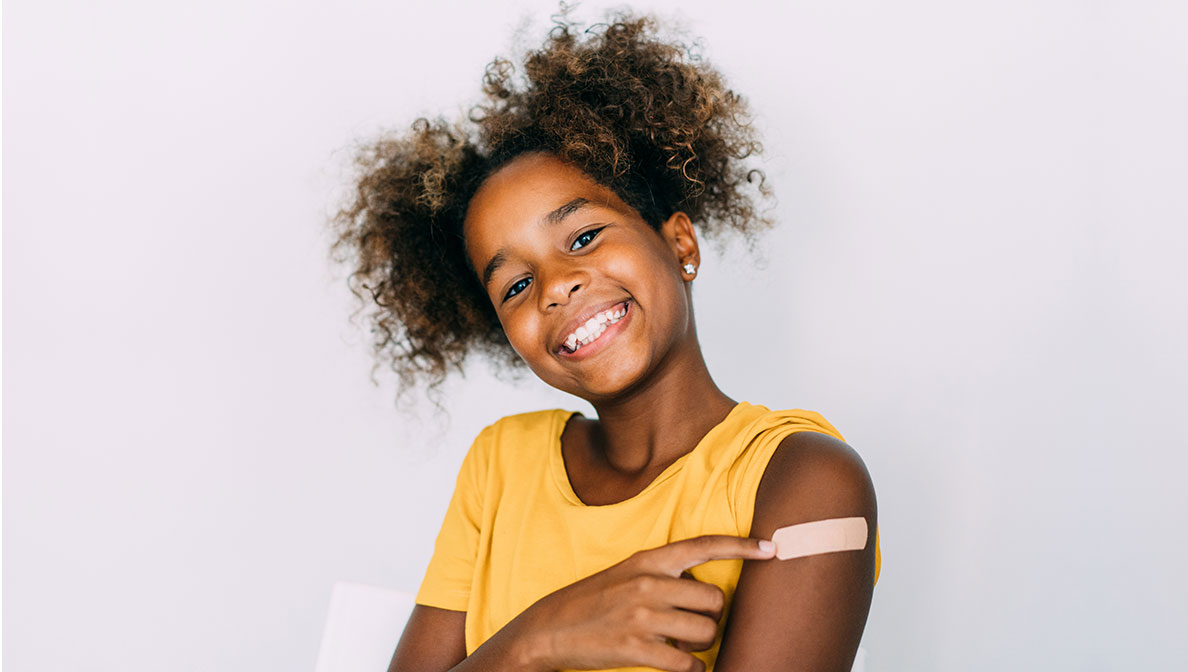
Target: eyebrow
553 218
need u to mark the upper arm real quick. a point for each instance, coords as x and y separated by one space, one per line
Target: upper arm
804 613
433 641
434 638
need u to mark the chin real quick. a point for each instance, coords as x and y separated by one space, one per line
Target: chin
610 384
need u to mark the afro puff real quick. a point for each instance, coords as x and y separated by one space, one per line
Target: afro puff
645 117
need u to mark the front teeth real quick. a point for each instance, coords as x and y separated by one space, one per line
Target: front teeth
593 328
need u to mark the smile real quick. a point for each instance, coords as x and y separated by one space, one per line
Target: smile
589 333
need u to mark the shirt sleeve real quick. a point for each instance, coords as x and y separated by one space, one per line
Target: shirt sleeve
451 569
763 438
878 557
760 441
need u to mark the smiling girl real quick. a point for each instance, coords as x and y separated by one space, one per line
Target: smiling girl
560 230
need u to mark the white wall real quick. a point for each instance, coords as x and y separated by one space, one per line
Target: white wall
979 279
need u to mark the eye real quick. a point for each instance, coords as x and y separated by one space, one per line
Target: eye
513 291
586 236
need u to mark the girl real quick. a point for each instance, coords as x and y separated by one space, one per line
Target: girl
561 231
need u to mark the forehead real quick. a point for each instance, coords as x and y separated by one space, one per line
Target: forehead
520 194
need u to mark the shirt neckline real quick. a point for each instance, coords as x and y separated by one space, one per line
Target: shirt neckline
561 474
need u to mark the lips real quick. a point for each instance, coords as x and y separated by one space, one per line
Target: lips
581 319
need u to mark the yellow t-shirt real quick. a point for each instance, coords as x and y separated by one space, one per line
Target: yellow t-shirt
515 531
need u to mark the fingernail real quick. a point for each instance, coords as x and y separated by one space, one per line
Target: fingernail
766 546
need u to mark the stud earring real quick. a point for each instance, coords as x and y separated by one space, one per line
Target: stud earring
690 268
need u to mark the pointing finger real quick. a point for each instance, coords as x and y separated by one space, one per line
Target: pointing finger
675 558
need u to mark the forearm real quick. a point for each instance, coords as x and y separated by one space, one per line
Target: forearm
513 649
434 640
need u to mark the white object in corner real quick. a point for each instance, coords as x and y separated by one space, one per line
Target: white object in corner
859 661
363 626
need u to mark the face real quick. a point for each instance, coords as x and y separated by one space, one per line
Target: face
555 250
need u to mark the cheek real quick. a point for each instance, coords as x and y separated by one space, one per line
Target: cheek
666 300
522 331
648 273
638 263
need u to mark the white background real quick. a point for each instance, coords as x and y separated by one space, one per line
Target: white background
978 278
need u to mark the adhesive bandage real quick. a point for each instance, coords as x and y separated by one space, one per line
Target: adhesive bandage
820 536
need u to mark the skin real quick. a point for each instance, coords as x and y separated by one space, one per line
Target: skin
653 381
654 399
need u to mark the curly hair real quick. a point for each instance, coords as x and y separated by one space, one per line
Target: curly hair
645 117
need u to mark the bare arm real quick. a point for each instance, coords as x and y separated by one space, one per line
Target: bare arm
806 613
434 640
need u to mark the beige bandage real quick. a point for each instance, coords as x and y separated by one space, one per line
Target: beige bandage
820 536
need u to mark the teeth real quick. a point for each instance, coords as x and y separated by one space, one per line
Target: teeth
593 328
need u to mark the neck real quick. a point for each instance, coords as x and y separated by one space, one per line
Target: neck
664 418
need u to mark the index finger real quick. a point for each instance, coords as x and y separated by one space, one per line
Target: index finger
674 558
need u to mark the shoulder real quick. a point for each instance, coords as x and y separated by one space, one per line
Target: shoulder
529 420
804 440
812 476
519 426
519 431
816 455
504 445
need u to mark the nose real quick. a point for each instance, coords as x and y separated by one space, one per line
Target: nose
559 288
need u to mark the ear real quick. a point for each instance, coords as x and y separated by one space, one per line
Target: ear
678 232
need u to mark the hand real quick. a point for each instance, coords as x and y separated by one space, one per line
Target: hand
627 614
